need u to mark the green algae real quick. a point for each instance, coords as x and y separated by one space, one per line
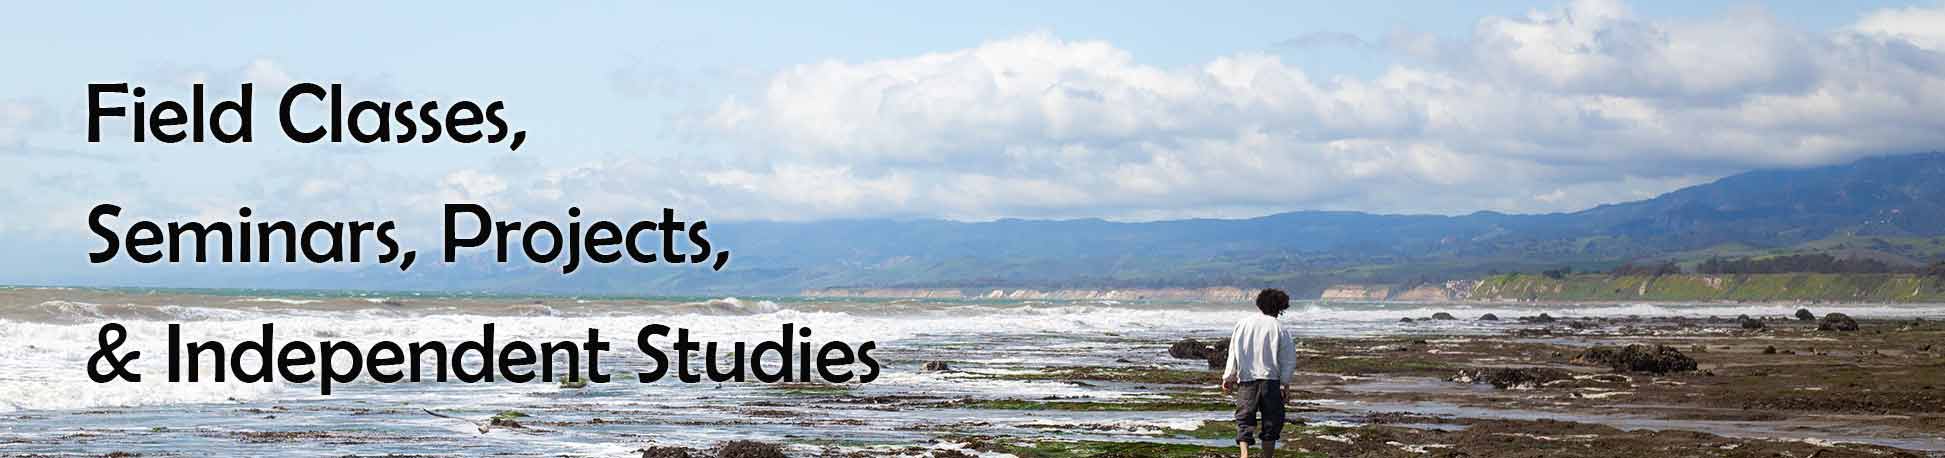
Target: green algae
1150 375
1092 406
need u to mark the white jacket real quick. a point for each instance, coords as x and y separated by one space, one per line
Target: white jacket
1260 350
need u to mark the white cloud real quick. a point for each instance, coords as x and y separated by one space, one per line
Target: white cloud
1530 113
1551 111
1922 27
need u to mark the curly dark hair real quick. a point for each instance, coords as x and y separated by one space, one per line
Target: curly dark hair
1272 301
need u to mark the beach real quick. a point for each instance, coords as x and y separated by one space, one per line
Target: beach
1002 377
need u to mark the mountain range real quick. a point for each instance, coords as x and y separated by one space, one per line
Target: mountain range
1889 208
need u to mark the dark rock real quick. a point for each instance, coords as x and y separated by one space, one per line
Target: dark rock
1541 318
950 453
935 366
1218 358
1541 332
1504 378
1405 320
1658 359
1837 322
1805 315
1751 323
1217 353
1580 324
666 452
1443 316
1769 350
1189 349
1489 317
750 449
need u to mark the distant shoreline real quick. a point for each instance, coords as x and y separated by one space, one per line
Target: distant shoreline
1727 289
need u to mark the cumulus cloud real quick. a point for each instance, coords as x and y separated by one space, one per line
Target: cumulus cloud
1921 27
1553 110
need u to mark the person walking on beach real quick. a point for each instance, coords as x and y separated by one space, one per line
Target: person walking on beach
1262 358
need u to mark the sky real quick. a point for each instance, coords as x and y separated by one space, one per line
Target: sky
820 110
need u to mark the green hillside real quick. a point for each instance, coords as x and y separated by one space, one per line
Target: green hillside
1705 288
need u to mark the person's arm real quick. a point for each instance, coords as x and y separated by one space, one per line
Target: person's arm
1229 361
1286 357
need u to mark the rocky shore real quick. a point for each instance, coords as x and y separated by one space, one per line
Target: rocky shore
1449 384
1826 386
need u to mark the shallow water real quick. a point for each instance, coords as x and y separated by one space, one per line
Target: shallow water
48 405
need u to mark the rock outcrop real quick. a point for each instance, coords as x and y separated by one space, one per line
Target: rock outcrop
1658 359
1805 315
750 449
1189 349
1511 378
1837 322
666 452
1216 353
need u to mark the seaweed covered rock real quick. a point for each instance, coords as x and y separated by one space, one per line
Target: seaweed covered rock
1805 315
1837 322
1508 378
1219 355
1443 316
935 366
950 453
1541 318
1657 359
1750 323
749 449
1189 348
1489 317
506 419
666 452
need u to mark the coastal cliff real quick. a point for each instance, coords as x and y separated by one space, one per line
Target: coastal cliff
1356 293
1802 287
1456 290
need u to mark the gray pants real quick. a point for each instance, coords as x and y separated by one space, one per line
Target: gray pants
1254 397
